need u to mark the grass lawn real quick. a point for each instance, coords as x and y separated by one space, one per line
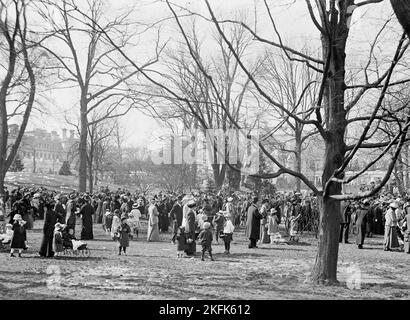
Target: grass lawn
152 271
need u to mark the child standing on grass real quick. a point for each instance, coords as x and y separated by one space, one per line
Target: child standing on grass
294 224
58 239
123 232
181 242
108 220
18 242
116 222
205 237
228 233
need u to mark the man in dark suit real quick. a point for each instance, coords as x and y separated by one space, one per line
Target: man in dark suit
253 223
346 212
361 220
176 215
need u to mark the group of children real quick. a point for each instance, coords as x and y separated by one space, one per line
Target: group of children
224 229
123 227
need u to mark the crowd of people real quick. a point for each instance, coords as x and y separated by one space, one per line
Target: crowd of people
200 217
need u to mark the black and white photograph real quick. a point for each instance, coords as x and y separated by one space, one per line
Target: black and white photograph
207 153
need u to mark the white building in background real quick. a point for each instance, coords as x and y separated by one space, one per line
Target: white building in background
44 152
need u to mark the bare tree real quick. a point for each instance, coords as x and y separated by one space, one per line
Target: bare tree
101 81
186 79
19 60
333 22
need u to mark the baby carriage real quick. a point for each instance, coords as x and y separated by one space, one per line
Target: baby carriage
73 247
77 249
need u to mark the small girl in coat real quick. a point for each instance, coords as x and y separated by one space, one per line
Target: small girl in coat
181 242
116 222
123 232
58 239
228 233
108 220
18 242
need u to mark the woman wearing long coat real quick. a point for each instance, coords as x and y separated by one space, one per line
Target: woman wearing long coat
87 212
51 218
253 224
390 231
153 227
190 229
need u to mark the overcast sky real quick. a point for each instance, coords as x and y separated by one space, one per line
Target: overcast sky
293 23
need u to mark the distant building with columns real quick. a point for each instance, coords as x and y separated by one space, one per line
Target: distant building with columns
44 152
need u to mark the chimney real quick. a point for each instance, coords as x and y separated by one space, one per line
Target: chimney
71 134
64 134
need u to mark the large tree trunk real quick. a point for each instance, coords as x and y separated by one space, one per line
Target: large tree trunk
402 10
325 268
83 145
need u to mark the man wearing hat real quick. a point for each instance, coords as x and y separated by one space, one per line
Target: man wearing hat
253 223
176 217
360 221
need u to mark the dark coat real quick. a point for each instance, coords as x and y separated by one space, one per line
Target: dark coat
60 210
87 212
124 231
253 223
361 220
181 241
51 218
190 222
19 236
205 237
176 213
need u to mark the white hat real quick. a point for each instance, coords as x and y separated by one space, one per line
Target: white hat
394 204
17 217
230 199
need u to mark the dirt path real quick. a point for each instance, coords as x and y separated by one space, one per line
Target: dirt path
152 271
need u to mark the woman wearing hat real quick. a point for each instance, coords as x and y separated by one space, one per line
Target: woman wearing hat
134 219
153 222
18 242
87 212
191 228
273 225
390 231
